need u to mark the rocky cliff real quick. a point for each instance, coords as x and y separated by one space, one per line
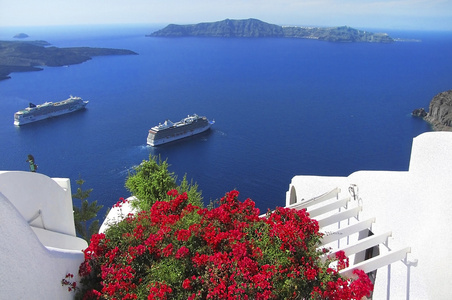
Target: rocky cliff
256 28
225 28
440 111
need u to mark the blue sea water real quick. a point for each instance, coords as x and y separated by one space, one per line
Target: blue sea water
282 107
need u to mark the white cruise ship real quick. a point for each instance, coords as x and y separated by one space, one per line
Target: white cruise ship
47 110
169 131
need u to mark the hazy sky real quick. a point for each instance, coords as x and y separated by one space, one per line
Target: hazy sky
390 14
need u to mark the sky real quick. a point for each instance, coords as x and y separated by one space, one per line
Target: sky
384 14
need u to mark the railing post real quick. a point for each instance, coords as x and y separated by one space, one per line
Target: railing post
409 264
388 288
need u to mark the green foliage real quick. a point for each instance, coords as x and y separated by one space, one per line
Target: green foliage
194 196
271 248
151 180
85 226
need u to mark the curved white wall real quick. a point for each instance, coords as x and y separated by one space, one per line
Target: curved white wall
39 245
28 270
31 192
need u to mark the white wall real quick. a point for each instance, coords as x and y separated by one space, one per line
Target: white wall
36 255
31 192
28 270
117 214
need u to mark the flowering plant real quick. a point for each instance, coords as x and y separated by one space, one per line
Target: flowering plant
180 251
67 281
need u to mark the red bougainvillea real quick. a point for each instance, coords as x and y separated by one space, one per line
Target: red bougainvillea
180 251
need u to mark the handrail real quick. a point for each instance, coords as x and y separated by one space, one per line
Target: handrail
328 207
361 245
352 212
376 262
326 196
346 231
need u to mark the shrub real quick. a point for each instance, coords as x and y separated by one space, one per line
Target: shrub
180 251
85 220
151 180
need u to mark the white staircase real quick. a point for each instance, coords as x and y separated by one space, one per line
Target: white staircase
339 219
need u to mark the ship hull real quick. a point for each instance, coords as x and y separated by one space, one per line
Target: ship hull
169 139
31 117
157 138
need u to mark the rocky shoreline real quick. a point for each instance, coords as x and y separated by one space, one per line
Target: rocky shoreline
439 113
25 56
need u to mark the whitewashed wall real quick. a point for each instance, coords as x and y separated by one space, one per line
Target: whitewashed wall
34 260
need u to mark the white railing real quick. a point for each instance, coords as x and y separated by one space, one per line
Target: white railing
328 210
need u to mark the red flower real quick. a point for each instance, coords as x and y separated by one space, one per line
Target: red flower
182 252
120 202
342 260
200 259
310 274
183 235
168 250
159 291
186 284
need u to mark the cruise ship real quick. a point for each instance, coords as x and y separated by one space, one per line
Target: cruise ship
169 131
47 110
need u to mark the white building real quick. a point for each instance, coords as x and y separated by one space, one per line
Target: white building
412 211
39 245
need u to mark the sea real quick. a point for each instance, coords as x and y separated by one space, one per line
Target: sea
282 107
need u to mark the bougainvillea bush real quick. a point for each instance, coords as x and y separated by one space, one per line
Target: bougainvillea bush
180 251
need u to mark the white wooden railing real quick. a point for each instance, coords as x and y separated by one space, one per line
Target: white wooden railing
339 219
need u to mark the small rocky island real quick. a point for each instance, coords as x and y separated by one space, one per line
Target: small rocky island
21 36
253 28
23 56
439 113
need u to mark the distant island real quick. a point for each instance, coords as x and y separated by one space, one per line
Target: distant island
23 56
21 36
253 28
